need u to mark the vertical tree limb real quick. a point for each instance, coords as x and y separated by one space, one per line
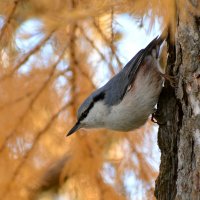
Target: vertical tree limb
179 108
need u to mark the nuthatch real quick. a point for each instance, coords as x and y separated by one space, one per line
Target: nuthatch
125 102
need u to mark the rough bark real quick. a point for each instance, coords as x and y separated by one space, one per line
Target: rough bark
179 113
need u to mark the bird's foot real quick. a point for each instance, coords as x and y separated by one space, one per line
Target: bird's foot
171 79
154 118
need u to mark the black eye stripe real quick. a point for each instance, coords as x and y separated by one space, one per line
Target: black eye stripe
99 97
95 99
85 113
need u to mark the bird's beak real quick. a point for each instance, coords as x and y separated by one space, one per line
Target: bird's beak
74 129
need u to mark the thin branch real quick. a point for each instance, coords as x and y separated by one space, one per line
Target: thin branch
82 73
112 33
62 72
111 26
73 62
44 85
27 56
7 22
53 68
30 151
97 50
108 42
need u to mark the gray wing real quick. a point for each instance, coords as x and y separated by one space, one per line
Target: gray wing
116 88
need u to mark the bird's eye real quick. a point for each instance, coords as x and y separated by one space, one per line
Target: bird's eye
84 114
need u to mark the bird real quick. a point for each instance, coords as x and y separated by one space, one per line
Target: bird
126 101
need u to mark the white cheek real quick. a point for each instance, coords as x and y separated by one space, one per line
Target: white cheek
96 116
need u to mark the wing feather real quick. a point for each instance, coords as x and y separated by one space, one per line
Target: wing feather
117 87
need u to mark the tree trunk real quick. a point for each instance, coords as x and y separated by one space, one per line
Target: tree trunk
179 113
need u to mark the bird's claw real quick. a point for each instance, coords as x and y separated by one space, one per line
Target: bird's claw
171 79
154 119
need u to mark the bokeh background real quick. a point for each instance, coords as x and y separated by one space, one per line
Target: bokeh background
52 55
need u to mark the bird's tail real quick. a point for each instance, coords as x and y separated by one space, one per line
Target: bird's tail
154 46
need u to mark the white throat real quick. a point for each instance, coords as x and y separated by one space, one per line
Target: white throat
97 116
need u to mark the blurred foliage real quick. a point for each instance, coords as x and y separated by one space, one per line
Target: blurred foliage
50 55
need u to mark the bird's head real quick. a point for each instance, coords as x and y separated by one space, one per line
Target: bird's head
89 114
